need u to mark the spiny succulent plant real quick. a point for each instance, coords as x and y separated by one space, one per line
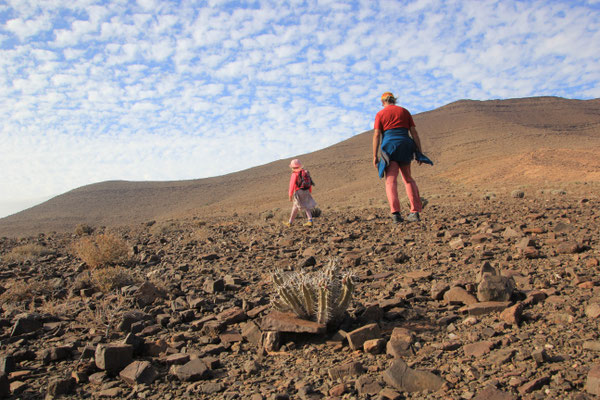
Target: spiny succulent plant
322 296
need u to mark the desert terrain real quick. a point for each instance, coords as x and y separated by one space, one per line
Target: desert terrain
164 290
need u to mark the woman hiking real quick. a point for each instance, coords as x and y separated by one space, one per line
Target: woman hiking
395 131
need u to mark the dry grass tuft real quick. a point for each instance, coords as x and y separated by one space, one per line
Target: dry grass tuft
103 315
25 252
83 229
102 250
21 291
112 278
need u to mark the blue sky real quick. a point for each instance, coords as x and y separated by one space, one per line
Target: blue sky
167 90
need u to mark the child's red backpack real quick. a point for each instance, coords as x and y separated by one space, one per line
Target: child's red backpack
304 181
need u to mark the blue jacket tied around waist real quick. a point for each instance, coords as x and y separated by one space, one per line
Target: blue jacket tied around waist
397 145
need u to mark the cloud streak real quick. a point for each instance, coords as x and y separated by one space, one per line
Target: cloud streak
166 90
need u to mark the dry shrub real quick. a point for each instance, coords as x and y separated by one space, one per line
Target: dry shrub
166 228
102 250
24 252
83 229
103 315
21 291
112 278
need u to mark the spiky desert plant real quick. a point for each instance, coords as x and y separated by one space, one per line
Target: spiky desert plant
322 296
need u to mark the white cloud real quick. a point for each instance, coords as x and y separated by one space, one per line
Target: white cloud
171 90
25 28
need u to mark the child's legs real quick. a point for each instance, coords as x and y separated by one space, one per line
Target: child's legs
308 214
391 186
294 212
412 191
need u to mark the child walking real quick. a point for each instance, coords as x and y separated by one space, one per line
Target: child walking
300 192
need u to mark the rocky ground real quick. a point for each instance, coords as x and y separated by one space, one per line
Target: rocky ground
196 319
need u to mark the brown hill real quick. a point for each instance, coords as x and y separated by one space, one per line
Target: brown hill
477 146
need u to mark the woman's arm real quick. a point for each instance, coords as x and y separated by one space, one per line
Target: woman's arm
376 140
415 136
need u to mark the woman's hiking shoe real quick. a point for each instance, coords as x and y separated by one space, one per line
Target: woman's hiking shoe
413 217
309 223
396 218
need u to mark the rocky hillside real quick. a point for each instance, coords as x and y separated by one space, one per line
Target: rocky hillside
489 297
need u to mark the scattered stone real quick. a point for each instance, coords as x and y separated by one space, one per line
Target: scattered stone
513 315
26 323
191 371
113 357
478 349
147 294
495 288
491 393
59 387
401 377
400 343
4 386
353 368
359 336
487 307
534 385
288 322
139 372
374 346
458 295
367 386
592 383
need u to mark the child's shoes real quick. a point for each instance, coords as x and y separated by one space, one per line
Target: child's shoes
285 223
309 223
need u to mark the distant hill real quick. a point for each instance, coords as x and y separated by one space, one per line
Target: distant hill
475 144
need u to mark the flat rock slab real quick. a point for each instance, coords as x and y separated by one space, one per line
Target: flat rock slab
287 322
491 393
401 377
359 336
592 384
486 307
191 371
478 349
353 368
139 372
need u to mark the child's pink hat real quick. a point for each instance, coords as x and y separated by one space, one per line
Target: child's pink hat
295 163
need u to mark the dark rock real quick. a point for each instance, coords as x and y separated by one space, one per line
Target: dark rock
592 383
59 387
214 285
478 349
353 368
113 357
491 393
400 343
367 386
487 307
147 294
191 371
26 323
458 295
534 385
401 377
359 336
288 322
7 364
495 288
139 372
